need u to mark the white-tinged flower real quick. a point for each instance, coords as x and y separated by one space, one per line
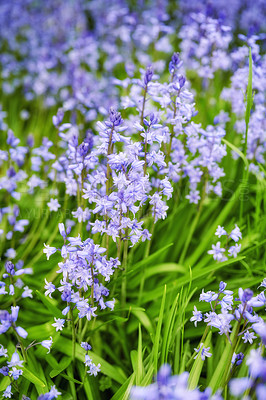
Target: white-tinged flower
47 344
58 324
53 205
49 250
3 351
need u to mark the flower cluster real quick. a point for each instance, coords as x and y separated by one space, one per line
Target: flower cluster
204 45
52 52
250 18
256 140
93 368
168 387
221 254
256 381
82 267
240 309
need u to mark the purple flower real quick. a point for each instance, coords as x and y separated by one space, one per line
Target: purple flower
248 337
197 316
260 329
58 118
7 393
53 205
237 358
220 231
58 324
15 373
217 252
256 364
148 75
193 196
203 351
15 361
49 250
52 394
245 295
236 234
47 344
263 283
239 385
4 371
50 288
3 351
208 296
86 346
62 230
175 63
234 250
9 266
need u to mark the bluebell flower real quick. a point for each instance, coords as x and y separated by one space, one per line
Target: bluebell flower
86 346
52 394
234 250
217 252
148 75
58 324
62 230
237 358
50 288
239 385
9 266
248 337
3 351
8 320
49 250
15 373
47 344
53 205
236 234
263 283
197 316
220 231
203 351
208 296
245 295
175 63
10 253
15 361
7 393
93 369
260 329
4 371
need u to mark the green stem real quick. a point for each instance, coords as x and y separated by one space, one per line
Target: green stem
194 223
21 346
73 338
124 279
146 254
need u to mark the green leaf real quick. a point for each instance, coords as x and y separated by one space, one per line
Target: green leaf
70 379
124 391
168 330
158 333
249 99
64 363
144 319
236 149
225 360
32 377
4 383
48 303
140 368
197 366
65 346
